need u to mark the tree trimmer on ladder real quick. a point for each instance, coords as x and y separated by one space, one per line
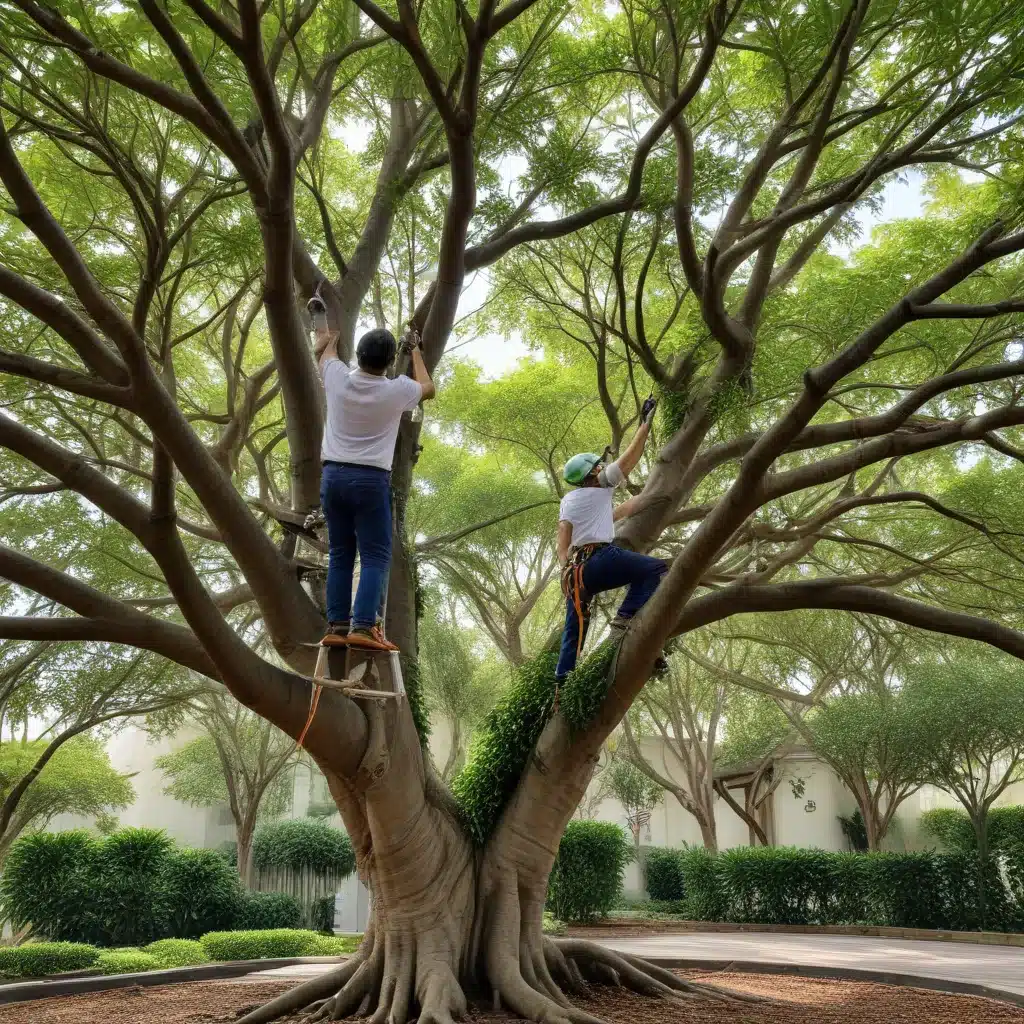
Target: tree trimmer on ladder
356 482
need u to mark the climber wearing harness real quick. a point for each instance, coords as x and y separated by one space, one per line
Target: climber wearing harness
364 409
591 563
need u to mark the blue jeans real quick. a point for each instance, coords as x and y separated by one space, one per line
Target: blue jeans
608 569
357 506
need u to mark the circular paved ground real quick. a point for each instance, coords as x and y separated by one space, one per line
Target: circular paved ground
796 1001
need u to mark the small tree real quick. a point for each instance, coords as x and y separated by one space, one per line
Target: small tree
78 779
971 718
873 742
636 792
757 733
458 686
240 760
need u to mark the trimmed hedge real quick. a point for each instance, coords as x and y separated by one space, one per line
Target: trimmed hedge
952 827
41 959
261 944
126 961
586 880
38 959
303 844
261 911
131 887
777 885
204 893
178 952
663 874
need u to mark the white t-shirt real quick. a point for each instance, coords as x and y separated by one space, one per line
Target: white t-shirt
590 509
363 414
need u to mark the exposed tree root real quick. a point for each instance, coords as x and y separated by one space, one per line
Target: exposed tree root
391 980
606 966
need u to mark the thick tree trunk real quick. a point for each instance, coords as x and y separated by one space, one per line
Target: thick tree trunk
454 922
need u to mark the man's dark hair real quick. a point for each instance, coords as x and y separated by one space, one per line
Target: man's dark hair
376 350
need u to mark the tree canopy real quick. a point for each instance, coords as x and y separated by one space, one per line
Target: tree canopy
688 198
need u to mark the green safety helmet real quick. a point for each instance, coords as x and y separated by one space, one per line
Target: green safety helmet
579 467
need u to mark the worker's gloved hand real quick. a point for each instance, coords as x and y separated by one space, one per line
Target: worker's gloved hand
318 311
647 410
410 341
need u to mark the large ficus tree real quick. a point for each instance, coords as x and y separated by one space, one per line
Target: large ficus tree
175 187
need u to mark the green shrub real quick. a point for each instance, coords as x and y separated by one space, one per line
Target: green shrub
551 925
332 945
904 890
773 885
128 887
268 910
204 893
126 961
855 830
305 843
178 952
45 885
705 896
846 897
322 914
260 944
1005 828
587 877
663 871
39 959
951 827
1014 864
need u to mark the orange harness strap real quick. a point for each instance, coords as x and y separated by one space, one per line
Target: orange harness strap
577 600
314 703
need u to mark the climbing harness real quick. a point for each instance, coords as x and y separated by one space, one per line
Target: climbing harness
572 587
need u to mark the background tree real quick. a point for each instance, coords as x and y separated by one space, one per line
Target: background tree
638 795
241 760
969 713
172 198
78 779
459 687
873 742
52 695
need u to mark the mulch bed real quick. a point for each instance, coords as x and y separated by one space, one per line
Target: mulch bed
797 1001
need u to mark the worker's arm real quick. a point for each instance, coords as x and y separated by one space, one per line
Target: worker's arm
326 347
421 376
564 540
631 456
625 509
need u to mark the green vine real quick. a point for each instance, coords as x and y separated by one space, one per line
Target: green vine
673 406
414 695
500 749
587 685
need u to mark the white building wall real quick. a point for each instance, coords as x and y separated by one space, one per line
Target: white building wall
132 751
806 804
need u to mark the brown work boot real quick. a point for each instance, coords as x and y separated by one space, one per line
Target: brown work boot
336 635
370 638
